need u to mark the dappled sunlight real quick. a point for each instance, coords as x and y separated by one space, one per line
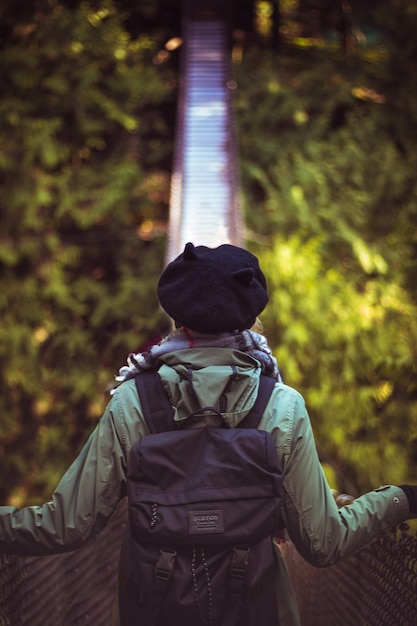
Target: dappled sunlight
343 347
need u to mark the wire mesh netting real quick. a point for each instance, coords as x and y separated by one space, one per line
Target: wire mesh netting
76 588
375 587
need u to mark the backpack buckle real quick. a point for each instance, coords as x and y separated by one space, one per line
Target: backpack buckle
165 564
240 562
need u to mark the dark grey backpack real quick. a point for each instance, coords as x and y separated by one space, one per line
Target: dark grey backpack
203 511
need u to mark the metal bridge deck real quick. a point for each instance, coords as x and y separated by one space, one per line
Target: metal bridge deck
204 205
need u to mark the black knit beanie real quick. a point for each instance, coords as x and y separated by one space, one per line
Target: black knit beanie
213 290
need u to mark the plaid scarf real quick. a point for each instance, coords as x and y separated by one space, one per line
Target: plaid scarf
246 341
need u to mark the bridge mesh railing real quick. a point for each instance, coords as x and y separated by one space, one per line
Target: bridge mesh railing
376 587
72 589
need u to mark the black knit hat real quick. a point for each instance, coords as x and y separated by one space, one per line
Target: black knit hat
213 290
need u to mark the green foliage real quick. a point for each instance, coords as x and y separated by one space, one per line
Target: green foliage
85 149
352 353
329 192
397 20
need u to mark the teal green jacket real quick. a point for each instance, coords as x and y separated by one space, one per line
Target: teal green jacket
89 492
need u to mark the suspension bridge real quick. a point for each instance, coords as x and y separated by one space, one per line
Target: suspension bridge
377 586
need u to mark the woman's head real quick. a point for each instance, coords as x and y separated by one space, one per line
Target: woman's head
213 290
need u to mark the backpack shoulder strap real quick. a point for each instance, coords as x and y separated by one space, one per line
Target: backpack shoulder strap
252 419
156 407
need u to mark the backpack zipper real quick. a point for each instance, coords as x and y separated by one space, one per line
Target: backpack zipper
154 516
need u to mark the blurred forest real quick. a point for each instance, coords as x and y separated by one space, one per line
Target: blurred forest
326 108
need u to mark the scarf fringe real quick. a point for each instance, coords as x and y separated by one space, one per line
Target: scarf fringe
247 341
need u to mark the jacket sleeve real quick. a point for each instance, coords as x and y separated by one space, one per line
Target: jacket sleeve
84 499
320 531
